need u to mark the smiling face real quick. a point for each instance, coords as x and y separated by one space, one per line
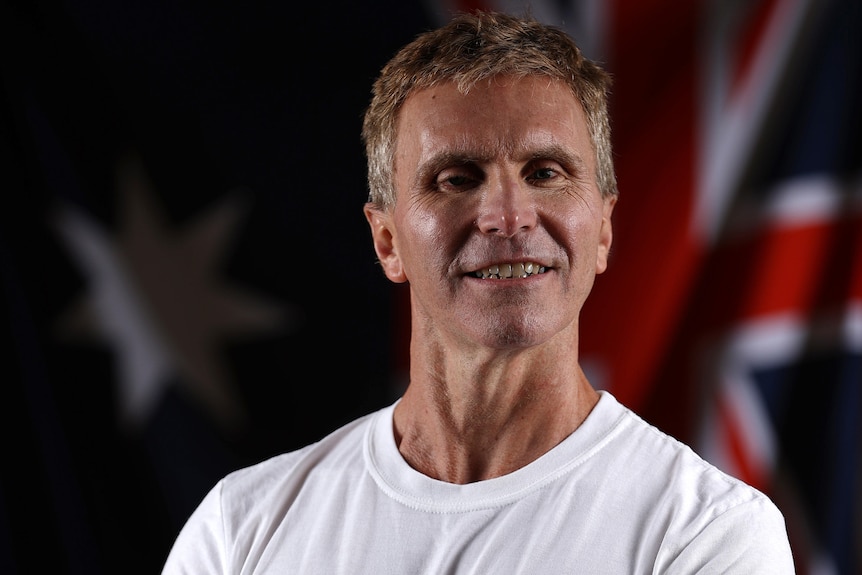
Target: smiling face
498 226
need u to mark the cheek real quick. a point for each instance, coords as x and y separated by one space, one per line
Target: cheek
582 234
425 225
427 237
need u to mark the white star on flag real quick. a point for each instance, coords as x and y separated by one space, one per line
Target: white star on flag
155 298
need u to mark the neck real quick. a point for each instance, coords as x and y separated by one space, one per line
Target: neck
465 420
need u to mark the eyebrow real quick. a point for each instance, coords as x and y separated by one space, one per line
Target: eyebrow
571 161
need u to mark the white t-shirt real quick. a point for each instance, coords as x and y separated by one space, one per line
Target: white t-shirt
617 496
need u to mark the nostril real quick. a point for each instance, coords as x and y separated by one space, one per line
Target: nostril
506 209
502 225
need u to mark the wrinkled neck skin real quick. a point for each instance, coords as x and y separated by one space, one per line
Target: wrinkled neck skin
472 413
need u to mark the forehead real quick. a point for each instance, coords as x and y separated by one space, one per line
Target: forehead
502 115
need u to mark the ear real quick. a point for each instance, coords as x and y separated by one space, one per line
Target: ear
606 235
385 243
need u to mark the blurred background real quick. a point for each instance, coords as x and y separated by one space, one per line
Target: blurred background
189 285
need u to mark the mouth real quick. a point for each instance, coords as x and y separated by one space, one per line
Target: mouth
509 271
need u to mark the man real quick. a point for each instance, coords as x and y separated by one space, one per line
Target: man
492 190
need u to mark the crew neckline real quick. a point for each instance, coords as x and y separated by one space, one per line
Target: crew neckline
398 480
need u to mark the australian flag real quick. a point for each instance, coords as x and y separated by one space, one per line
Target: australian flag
181 194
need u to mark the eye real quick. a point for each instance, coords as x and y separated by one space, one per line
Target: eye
455 180
542 174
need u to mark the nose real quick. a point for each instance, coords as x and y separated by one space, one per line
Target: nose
507 207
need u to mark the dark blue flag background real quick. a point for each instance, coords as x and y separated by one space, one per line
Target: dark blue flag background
188 281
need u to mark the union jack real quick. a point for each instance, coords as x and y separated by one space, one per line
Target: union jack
731 315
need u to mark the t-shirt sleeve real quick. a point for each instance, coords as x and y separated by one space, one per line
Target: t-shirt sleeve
750 538
199 548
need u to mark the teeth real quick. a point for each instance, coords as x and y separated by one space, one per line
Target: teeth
507 271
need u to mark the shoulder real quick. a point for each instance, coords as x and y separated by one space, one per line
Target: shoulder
232 521
336 452
673 465
701 514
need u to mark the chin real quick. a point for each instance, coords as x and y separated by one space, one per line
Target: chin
515 337
513 327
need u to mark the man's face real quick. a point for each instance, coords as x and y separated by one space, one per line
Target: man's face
496 183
